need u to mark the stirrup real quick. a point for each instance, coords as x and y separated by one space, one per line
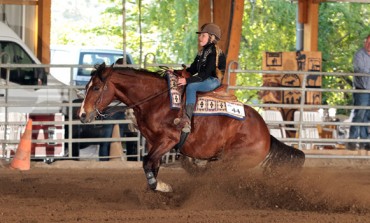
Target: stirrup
187 127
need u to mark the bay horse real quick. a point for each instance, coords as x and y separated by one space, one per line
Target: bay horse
211 137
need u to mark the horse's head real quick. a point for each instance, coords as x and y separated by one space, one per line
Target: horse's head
98 94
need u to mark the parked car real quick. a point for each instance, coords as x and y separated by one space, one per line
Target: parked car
81 56
89 56
29 102
14 51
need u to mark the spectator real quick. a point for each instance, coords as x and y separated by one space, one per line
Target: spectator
361 64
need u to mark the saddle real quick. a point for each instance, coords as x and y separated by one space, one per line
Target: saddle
219 93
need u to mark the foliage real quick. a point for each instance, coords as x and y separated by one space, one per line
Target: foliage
267 26
270 26
341 34
166 29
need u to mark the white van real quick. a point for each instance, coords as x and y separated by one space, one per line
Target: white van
39 104
60 54
14 51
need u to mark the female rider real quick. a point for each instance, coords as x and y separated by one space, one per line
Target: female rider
206 70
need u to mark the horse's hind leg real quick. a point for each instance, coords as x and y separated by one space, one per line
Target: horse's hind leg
248 154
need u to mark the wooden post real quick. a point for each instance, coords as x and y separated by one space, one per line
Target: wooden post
302 11
311 27
43 30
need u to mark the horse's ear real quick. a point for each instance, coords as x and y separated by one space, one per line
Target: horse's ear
100 67
99 70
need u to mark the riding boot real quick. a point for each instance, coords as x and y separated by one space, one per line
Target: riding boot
189 114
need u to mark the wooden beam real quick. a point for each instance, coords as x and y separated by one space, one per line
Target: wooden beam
311 28
233 40
302 11
222 17
228 15
18 2
43 30
204 14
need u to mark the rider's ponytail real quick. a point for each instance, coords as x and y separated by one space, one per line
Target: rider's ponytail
219 73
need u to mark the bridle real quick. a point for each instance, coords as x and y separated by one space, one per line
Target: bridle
113 109
100 99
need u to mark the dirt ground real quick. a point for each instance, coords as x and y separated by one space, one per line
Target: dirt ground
90 191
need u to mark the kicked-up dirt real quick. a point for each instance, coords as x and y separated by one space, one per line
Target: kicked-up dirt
90 191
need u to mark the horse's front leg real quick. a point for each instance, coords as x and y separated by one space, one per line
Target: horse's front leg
151 164
151 171
155 168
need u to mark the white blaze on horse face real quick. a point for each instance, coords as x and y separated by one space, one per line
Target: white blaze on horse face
82 110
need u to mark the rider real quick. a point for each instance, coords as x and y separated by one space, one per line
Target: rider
206 70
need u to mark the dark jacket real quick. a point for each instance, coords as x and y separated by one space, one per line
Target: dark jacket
204 64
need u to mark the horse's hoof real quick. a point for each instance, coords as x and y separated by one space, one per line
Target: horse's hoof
163 187
176 121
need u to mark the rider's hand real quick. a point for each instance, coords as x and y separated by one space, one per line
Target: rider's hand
181 81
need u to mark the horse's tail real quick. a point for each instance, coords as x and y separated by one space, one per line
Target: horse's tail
282 155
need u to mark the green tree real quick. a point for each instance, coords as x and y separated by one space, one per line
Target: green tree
270 26
343 27
267 26
166 29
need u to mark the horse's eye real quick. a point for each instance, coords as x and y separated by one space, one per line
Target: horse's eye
96 88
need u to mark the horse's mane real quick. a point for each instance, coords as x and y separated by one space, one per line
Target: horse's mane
99 68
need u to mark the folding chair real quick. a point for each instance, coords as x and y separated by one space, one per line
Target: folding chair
310 130
277 130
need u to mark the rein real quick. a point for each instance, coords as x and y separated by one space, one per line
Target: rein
108 113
